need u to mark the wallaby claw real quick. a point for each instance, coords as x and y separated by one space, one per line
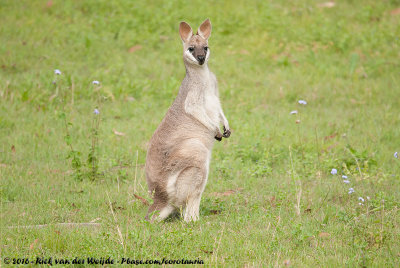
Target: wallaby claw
218 137
227 133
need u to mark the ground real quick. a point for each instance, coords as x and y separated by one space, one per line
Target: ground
271 199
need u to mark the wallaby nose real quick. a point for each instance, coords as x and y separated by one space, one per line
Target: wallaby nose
201 59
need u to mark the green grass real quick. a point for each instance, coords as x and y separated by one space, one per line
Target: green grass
267 55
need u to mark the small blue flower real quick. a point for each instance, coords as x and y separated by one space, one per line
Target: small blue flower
334 171
344 176
294 112
351 190
96 111
346 181
57 72
95 82
361 199
396 155
302 102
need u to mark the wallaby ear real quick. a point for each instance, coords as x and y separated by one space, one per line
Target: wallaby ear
185 31
205 29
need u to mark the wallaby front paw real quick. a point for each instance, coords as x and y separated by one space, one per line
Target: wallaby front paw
227 133
219 136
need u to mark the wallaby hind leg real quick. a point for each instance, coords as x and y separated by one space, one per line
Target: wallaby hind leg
190 186
192 209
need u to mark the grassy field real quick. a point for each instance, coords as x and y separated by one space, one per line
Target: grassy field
271 199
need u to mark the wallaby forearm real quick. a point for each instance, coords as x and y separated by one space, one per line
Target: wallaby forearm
224 121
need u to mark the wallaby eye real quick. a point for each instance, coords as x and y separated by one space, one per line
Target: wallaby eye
191 49
205 49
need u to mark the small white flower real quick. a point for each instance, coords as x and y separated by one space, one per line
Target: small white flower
95 82
351 190
361 199
361 204
294 112
96 111
334 171
346 181
57 72
344 176
302 102
368 198
396 155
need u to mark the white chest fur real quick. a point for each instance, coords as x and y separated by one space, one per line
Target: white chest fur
201 100
211 105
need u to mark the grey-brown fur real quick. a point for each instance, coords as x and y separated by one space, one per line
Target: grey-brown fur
179 152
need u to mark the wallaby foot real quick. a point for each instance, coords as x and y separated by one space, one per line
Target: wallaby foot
192 210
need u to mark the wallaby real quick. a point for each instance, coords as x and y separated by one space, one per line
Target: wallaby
179 152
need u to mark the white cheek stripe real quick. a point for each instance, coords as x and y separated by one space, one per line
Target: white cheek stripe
190 56
193 59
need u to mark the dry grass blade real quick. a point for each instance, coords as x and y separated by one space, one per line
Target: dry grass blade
118 133
121 238
395 11
227 193
134 183
33 244
329 4
135 48
219 243
324 235
144 201
64 224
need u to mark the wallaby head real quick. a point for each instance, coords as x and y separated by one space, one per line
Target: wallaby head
195 47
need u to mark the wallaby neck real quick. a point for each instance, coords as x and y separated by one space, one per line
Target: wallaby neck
197 80
197 72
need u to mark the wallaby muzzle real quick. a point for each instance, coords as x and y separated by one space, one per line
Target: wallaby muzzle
201 59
